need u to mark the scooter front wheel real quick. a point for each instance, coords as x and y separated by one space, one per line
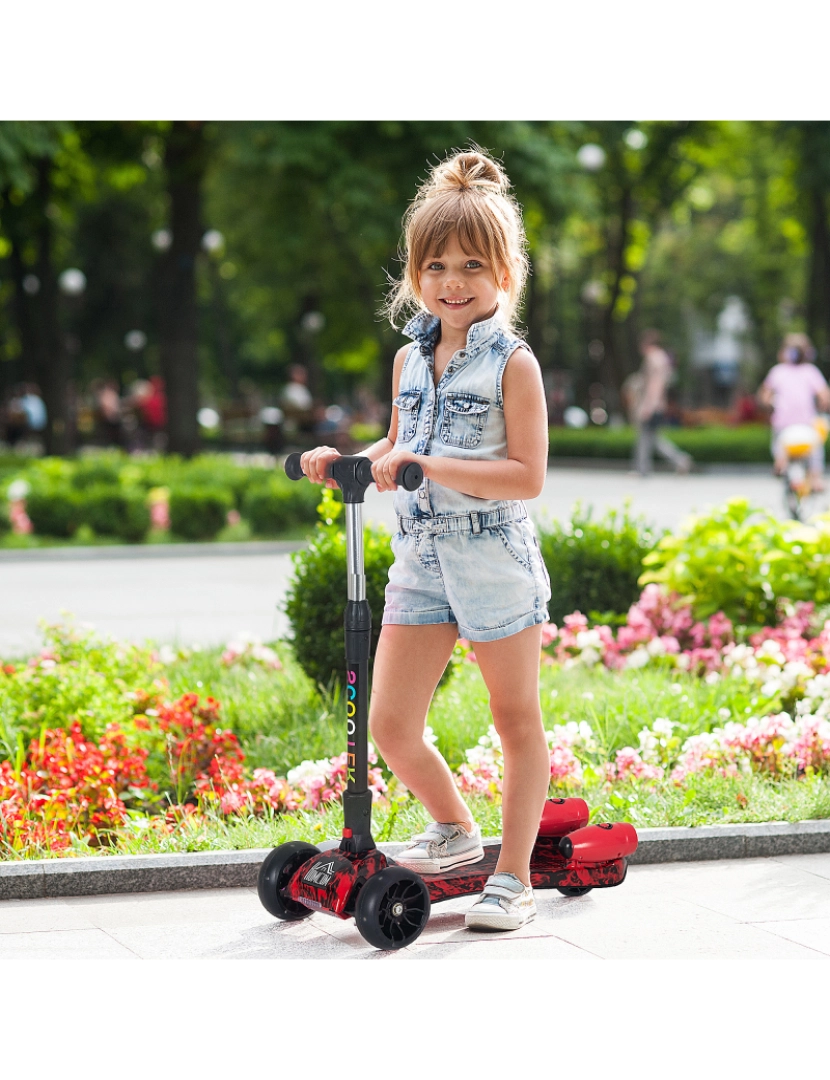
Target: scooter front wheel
279 867
392 908
574 890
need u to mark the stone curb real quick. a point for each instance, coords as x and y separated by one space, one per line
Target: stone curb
149 551
97 875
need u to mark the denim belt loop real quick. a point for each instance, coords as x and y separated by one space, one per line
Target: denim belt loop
475 518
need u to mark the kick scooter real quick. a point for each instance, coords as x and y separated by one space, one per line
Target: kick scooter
353 879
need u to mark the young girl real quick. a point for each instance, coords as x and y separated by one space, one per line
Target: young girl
469 407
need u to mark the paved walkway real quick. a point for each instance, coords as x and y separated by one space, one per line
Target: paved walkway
775 908
209 598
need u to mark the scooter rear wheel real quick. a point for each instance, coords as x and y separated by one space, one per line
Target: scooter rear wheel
392 908
574 890
279 867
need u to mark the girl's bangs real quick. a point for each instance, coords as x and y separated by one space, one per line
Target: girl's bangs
462 216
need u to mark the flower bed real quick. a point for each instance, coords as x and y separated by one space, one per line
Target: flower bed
741 720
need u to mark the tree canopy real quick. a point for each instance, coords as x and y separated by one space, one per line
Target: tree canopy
239 248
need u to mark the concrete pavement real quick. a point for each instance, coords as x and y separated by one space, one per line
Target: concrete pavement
210 597
770 908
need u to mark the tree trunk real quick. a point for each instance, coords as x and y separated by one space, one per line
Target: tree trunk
185 159
818 286
613 368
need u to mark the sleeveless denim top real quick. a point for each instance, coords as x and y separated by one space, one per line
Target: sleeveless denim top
463 416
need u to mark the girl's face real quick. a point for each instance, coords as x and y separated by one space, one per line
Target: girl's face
460 288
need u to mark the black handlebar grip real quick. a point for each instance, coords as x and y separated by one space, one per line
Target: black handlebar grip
293 469
410 477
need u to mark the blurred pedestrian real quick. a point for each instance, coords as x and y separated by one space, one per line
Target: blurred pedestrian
297 403
15 423
34 408
796 391
106 412
648 395
153 411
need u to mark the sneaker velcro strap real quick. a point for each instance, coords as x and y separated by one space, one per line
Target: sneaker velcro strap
500 890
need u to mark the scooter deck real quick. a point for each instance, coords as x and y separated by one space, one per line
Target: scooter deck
548 870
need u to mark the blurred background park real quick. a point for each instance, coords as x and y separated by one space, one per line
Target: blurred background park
186 285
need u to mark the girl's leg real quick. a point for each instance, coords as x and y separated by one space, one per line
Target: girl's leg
510 667
409 662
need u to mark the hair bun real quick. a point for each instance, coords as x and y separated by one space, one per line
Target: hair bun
469 170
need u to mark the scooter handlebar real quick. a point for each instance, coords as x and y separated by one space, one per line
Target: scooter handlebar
410 475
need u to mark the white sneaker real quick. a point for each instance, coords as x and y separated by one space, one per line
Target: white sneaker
440 847
505 904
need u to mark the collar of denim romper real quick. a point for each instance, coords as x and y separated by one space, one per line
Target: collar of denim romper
425 329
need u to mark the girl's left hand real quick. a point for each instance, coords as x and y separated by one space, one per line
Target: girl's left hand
385 469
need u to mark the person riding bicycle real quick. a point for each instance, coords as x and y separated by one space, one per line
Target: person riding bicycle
797 392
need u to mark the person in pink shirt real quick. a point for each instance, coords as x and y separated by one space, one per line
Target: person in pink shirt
797 392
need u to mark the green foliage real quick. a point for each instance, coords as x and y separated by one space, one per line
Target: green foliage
748 443
743 561
53 510
199 513
114 511
316 596
79 676
276 504
594 566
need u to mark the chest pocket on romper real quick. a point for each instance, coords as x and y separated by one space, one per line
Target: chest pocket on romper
464 418
407 403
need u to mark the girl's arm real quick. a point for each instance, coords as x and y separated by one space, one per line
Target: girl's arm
521 475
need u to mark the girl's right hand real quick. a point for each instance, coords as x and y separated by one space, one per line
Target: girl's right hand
315 464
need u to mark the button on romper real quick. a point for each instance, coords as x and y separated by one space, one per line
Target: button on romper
460 559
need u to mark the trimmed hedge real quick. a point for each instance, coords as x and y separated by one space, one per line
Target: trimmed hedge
108 492
199 513
748 443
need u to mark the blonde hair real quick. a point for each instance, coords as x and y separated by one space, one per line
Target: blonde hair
468 195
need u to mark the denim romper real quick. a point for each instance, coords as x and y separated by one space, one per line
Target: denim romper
460 559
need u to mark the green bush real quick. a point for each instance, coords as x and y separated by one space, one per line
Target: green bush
115 511
53 510
278 503
742 560
316 596
594 566
199 513
96 471
707 445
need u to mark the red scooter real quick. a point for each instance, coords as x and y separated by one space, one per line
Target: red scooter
353 879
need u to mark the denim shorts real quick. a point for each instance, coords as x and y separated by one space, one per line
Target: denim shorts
483 571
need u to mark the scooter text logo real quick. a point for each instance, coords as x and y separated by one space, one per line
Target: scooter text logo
351 694
320 874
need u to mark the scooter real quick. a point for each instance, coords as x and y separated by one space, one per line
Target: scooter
352 878
797 442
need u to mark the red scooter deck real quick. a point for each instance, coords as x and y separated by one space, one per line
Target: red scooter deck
548 870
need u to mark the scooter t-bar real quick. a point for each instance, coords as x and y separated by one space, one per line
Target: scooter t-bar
353 474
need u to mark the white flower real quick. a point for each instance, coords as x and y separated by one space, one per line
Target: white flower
637 659
18 489
656 647
589 657
588 639
711 677
663 726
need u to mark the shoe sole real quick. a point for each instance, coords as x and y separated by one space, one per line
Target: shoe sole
424 866
496 922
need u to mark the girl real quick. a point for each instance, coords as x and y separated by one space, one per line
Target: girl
469 407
